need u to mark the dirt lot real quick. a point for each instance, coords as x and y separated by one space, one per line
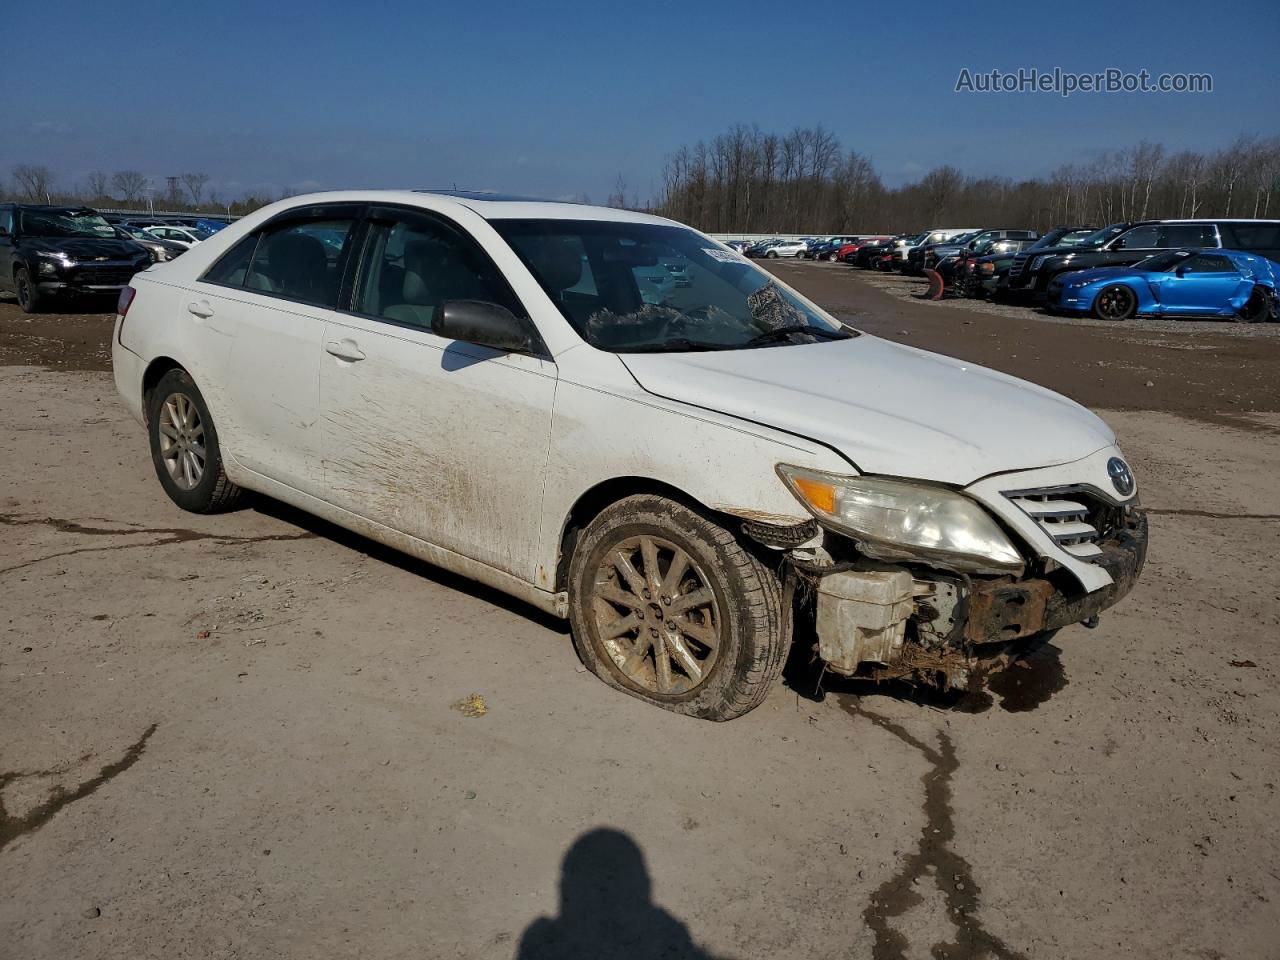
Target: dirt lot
237 736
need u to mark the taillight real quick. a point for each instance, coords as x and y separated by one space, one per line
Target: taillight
126 298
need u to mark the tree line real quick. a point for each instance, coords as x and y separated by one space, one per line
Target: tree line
126 189
749 181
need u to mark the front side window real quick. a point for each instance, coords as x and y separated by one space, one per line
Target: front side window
638 287
411 267
1139 238
302 260
1208 263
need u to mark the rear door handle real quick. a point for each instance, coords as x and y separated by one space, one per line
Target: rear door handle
344 350
200 308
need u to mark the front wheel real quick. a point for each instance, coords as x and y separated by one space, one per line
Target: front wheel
670 607
29 298
1116 302
184 447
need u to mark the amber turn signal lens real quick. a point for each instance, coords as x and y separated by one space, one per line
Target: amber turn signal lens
820 496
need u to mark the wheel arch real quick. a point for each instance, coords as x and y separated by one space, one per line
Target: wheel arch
156 369
605 493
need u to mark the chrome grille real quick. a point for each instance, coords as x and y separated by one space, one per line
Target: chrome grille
1070 517
1019 265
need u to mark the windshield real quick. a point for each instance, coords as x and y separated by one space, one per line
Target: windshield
1099 237
64 223
633 287
1162 262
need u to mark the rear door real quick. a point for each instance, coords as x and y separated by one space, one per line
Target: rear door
442 440
270 297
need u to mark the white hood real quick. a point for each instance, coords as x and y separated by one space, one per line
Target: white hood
890 409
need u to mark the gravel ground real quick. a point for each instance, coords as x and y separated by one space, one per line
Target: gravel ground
255 735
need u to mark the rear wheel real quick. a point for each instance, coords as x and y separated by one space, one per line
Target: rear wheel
29 298
1260 306
1116 302
184 447
668 606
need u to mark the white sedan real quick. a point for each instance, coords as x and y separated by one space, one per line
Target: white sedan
509 389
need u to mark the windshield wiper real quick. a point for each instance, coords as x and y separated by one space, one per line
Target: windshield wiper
782 333
674 345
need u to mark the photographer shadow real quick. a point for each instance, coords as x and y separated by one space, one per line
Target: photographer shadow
607 910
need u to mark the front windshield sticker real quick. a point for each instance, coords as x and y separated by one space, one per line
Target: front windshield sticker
724 256
770 309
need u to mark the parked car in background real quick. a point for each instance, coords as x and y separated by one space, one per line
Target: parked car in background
871 255
738 245
826 249
988 276
761 247
55 252
785 248
914 263
847 252
980 244
480 383
955 267
188 237
1177 283
209 227
902 252
160 250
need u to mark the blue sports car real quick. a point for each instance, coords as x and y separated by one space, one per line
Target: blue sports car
1176 283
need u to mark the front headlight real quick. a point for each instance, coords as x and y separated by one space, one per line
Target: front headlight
914 518
49 261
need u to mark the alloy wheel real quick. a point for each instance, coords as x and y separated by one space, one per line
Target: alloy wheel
655 615
182 440
1115 303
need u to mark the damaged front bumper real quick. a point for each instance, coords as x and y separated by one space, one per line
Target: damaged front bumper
894 620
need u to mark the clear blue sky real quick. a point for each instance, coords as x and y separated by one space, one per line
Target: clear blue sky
556 98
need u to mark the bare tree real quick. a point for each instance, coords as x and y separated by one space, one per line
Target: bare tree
130 184
96 186
35 181
195 184
619 196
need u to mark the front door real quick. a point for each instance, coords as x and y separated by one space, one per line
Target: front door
443 440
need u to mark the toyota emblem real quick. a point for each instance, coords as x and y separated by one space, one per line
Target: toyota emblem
1121 476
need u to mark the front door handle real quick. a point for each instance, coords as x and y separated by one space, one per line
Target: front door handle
344 350
200 308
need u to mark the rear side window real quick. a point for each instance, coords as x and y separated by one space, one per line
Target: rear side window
232 267
1253 236
1188 235
302 261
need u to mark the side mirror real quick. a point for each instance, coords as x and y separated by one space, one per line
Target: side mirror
484 323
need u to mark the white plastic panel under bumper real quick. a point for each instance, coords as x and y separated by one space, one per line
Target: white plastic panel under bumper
1050 524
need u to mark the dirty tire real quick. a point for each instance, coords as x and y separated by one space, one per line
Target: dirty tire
29 298
1259 307
937 286
754 614
1115 302
213 492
